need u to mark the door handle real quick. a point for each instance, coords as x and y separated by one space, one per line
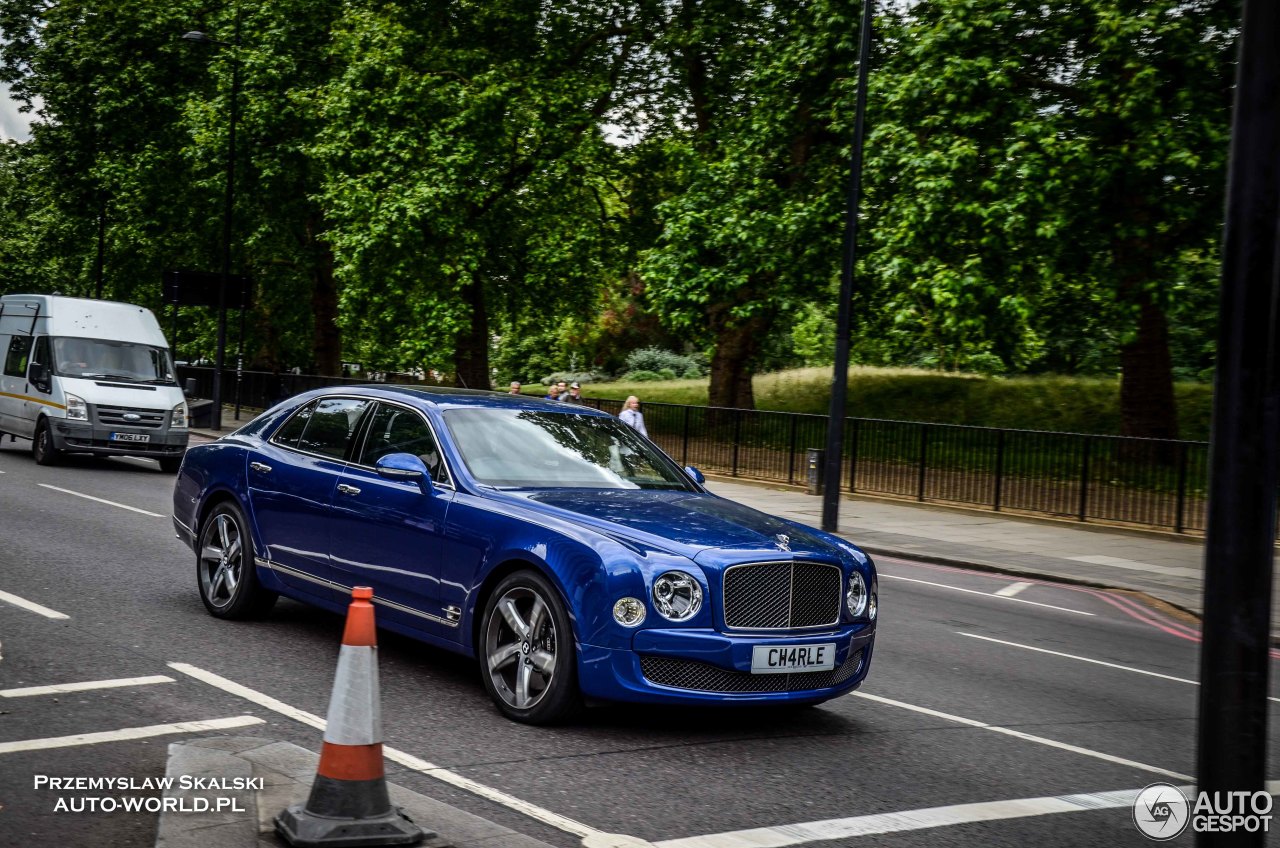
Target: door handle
348 490
260 467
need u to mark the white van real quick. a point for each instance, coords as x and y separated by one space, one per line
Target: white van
89 376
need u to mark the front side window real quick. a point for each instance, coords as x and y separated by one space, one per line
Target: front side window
331 425
395 429
106 359
512 448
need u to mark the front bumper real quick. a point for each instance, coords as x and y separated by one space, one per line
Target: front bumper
86 437
705 666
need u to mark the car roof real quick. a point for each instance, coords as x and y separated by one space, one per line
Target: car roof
447 397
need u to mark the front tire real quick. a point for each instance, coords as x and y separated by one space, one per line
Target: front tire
527 655
42 446
225 570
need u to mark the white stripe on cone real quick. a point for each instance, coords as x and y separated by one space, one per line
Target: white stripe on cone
355 714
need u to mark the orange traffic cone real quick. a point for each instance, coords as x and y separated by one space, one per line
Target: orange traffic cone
349 805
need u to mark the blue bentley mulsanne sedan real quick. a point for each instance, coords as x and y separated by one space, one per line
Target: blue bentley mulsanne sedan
567 553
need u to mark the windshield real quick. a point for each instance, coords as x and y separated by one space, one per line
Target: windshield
103 359
513 448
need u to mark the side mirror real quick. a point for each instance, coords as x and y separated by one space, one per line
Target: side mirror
695 474
39 376
405 467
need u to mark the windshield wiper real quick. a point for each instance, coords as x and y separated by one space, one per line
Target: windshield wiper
122 378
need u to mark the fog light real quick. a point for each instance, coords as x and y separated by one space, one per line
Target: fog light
628 612
855 600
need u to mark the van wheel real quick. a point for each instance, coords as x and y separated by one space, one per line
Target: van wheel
42 447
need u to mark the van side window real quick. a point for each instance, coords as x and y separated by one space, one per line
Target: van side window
40 356
15 360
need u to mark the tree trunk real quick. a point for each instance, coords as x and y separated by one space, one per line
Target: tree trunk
737 344
327 340
471 356
1147 405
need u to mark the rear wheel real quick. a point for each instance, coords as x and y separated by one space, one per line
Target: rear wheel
42 446
527 651
225 570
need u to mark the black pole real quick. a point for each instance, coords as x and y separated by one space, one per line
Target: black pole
220 357
840 371
1234 657
240 346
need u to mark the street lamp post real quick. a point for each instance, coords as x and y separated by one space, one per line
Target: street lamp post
840 376
228 205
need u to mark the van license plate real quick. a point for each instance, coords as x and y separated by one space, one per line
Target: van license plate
130 437
780 659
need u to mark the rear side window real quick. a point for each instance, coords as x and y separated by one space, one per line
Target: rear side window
289 434
331 425
15 360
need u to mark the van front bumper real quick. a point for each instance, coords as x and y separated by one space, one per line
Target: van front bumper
85 437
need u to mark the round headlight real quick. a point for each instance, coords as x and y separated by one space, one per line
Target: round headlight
677 596
629 612
855 600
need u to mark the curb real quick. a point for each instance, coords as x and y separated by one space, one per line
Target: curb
271 776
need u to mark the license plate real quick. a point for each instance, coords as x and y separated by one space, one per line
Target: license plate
130 437
780 659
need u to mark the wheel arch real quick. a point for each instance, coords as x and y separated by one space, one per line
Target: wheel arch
500 572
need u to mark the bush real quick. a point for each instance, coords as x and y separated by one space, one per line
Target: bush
659 361
582 377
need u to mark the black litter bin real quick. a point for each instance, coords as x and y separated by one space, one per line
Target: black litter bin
200 412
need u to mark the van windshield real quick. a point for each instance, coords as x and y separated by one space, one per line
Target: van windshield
104 359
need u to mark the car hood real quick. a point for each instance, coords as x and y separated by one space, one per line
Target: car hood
692 520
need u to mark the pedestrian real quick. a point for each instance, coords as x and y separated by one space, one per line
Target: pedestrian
562 391
515 388
575 395
632 417
553 392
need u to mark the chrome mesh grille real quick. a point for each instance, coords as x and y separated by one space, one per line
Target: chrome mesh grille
782 595
703 677
114 416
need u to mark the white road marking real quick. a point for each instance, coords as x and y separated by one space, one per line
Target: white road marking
1018 734
1088 660
127 733
983 594
798 834
83 687
100 500
31 606
555 820
1013 589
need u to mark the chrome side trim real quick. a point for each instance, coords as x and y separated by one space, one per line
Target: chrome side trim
346 590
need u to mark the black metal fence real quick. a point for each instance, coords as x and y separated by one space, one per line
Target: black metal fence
1147 482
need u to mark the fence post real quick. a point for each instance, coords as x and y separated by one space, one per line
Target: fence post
1182 488
737 437
853 452
999 468
924 452
1084 478
684 453
791 453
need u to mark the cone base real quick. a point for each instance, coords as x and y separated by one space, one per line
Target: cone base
299 827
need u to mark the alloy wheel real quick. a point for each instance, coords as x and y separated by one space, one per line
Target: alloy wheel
520 648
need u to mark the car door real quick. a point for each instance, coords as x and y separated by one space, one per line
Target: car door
292 479
388 534
13 383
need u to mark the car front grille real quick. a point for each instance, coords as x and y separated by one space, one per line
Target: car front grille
114 416
782 595
703 677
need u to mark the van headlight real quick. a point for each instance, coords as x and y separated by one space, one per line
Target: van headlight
178 418
677 596
77 409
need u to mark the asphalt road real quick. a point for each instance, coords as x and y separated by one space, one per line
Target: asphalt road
974 698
